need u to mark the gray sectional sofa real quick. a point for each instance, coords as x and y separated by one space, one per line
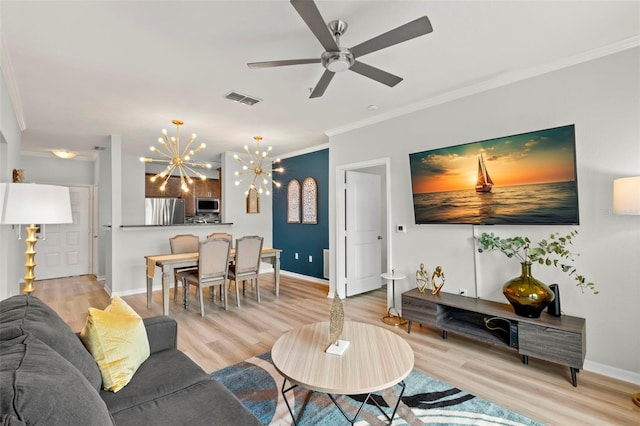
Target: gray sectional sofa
47 377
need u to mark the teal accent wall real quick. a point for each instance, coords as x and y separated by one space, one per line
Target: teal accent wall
306 240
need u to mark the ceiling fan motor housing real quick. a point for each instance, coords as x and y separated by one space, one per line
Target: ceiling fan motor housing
338 61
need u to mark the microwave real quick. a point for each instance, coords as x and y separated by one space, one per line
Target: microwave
207 205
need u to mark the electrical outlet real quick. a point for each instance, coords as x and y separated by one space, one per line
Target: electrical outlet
401 228
462 291
310 258
295 255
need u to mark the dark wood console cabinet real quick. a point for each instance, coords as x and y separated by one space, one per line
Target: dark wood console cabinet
561 340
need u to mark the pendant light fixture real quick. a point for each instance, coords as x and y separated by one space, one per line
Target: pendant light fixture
253 167
177 160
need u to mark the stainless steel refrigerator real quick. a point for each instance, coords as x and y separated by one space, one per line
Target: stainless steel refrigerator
163 211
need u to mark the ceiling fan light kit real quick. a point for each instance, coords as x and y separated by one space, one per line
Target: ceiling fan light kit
338 59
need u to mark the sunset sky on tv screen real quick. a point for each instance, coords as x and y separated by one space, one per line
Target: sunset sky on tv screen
537 157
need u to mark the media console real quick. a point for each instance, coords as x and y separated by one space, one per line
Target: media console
561 340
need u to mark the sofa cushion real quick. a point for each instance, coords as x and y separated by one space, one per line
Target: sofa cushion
162 374
202 404
41 387
30 314
9 420
117 339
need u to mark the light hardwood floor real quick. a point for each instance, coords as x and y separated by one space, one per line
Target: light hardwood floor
539 390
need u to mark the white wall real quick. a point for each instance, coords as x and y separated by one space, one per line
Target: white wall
602 98
11 249
133 191
41 169
103 183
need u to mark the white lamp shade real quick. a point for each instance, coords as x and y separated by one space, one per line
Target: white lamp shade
27 203
626 195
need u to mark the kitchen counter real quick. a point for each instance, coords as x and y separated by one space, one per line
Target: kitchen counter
175 225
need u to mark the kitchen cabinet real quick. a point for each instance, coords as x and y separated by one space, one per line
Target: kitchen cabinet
200 188
208 188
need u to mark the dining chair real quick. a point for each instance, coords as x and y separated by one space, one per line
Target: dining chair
222 235
182 243
213 267
247 264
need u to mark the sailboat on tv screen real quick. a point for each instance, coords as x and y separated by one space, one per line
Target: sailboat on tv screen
484 182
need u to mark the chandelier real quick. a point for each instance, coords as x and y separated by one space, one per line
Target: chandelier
253 168
176 160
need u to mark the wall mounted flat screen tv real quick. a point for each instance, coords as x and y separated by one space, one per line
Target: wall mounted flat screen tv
524 179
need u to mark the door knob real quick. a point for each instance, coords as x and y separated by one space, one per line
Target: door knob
379 237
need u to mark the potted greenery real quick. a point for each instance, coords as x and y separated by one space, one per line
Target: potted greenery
528 295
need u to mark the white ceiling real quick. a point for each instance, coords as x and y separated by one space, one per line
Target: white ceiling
81 71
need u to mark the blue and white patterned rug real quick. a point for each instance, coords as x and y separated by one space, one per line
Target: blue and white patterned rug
425 401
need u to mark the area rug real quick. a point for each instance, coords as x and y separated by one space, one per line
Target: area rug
426 401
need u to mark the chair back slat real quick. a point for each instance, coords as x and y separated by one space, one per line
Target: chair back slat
248 251
184 243
213 258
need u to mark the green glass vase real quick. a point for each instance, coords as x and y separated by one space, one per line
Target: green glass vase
527 295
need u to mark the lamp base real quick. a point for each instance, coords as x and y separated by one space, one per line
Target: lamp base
30 254
393 318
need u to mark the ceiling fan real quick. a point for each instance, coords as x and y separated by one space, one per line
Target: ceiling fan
337 58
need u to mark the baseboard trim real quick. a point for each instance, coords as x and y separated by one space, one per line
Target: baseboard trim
616 373
305 277
264 268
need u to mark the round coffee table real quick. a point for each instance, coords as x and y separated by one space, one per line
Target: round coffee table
376 359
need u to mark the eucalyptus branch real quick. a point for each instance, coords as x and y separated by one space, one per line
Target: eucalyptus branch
553 251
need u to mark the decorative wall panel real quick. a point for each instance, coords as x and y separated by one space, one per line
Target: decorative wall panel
293 201
309 201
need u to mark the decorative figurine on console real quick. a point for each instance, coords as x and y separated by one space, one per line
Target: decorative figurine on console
439 274
422 278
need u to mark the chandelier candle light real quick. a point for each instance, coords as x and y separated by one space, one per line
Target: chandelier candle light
254 169
176 159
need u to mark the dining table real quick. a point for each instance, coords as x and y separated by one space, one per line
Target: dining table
168 262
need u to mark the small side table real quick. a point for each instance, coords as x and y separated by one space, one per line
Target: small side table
393 317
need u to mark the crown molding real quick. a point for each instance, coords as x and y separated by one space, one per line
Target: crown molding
493 83
12 86
305 151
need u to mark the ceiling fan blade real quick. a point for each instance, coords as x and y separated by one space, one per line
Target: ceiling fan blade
269 64
309 12
404 32
322 84
375 74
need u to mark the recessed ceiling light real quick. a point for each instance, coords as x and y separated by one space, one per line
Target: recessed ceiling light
64 154
372 107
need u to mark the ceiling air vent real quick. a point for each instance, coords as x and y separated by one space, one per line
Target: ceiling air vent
243 99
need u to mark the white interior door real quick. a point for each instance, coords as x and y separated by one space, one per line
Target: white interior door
66 248
364 241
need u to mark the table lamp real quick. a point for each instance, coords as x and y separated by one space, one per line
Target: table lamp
626 200
31 204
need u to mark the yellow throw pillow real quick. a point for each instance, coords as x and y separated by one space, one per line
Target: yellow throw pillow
117 339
